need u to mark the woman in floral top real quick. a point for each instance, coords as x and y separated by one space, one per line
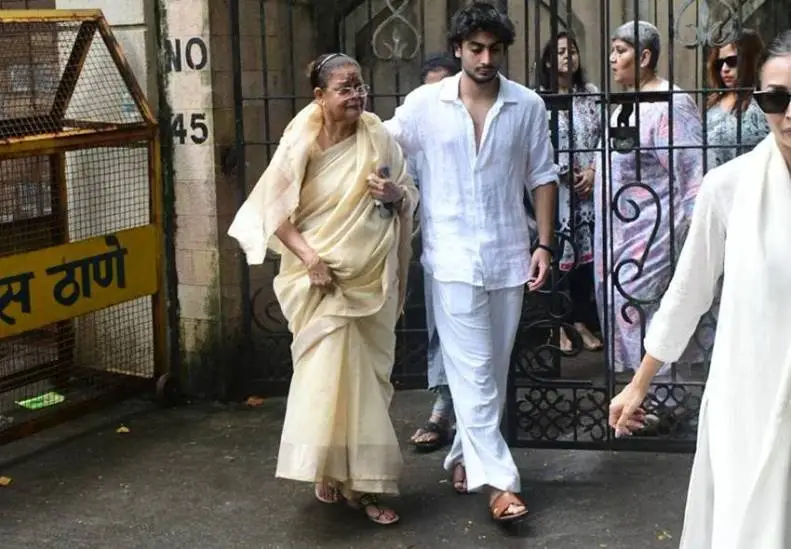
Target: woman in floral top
579 129
731 67
644 210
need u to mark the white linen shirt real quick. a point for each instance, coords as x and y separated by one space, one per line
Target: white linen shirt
473 219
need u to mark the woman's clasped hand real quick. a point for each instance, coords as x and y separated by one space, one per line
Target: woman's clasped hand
319 274
383 189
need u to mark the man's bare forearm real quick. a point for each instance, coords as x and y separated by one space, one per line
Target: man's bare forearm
544 200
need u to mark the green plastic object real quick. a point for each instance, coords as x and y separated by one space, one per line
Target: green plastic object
42 401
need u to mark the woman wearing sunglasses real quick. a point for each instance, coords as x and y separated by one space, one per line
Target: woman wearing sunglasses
740 490
734 123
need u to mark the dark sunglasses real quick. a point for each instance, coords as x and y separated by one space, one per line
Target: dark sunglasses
773 101
731 61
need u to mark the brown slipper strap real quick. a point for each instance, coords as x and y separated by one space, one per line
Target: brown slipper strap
503 501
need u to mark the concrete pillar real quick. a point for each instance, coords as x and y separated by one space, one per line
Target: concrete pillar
187 78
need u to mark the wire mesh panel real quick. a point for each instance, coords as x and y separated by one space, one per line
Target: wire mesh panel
80 307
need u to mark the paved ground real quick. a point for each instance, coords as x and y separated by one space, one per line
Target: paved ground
201 477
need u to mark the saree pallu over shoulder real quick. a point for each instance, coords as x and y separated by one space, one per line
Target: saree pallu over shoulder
276 196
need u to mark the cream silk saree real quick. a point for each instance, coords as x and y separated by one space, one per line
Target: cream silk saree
337 425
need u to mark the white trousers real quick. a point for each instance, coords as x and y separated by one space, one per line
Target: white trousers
436 370
476 330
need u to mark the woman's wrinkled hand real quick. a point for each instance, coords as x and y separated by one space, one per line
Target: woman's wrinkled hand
626 410
383 189
319 273
583 182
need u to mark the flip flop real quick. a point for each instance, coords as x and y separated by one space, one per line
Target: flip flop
442 439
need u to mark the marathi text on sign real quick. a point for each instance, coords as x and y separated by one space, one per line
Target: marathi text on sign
58 283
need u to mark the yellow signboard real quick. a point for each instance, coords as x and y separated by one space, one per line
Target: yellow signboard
58 283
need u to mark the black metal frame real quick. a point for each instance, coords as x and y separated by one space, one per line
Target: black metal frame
545 407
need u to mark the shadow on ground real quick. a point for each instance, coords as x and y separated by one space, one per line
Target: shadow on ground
201 477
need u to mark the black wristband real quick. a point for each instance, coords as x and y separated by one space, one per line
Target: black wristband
545 248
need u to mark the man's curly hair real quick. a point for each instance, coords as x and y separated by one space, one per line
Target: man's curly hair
480 17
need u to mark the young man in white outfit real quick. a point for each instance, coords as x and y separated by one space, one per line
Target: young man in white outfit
485 142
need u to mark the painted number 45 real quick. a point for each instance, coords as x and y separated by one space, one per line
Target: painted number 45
197 131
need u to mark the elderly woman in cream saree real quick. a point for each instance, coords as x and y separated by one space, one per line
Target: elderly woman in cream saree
342 227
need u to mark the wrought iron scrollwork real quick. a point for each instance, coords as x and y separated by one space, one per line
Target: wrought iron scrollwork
397 47
717 26
558 414
635 266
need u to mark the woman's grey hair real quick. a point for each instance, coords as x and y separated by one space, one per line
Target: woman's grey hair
780 46
321 68
647 38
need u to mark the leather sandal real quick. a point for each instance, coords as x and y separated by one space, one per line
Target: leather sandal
373 510
501 503
441 437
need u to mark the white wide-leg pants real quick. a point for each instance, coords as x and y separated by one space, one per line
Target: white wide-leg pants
476 330
436 370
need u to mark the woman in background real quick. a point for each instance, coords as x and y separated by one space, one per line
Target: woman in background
734 122
647 181
437 431
580 129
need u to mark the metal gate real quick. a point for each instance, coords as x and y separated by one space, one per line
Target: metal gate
557 398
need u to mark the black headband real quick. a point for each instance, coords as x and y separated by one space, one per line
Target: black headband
326 60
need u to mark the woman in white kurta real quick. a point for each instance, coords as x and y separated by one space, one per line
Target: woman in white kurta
740 490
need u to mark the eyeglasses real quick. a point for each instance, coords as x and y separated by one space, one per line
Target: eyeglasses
731 61
347 91
773 101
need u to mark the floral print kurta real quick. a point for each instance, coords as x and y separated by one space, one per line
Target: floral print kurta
575 215
634 269
722 130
